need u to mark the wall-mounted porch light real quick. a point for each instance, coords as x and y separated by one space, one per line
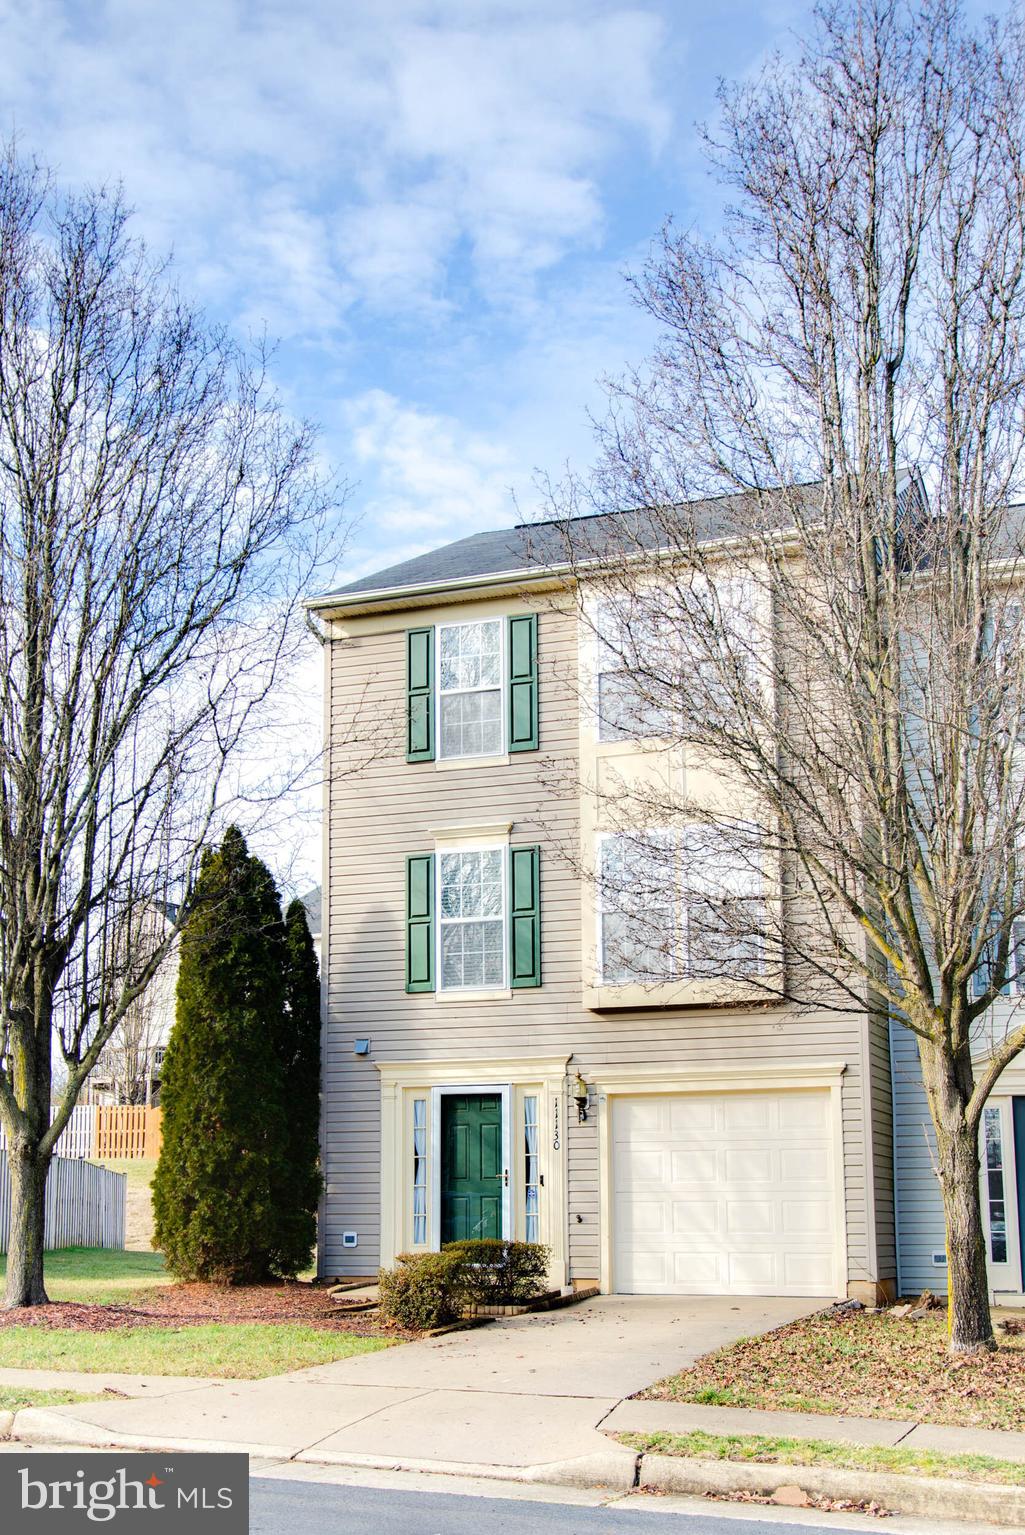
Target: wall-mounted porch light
580 1092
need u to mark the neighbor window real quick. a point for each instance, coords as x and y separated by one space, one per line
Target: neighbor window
470 689
995 1183
471 902
681 904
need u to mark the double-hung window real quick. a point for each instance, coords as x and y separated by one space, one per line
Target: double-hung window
471 904
680 905
470 689
473 919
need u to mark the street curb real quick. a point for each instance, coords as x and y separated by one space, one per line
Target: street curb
614 1468
920 1495
603 1469
617 1469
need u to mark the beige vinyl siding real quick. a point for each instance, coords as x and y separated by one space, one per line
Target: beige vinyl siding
382 812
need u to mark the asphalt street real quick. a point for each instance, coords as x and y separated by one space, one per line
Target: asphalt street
283 1507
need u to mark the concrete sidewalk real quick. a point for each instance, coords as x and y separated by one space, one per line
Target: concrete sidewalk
463 1400
534 1398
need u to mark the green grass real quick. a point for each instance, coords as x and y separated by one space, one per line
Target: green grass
14 1398
138 1170
818 1452
99 1276
241 1350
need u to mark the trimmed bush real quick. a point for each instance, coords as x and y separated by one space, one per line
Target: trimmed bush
425 1290
499 1273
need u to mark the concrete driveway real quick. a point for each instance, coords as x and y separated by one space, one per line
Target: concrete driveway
521 1399
611 1346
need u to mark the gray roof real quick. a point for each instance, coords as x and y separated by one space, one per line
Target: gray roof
532 547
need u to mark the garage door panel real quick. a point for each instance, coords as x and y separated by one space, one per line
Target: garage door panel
811 1217
751 1165
716 1193
695 1167
748 1114
690 1116
638 1169
696 1217
807 1168
697 1271
807 1269
746 1218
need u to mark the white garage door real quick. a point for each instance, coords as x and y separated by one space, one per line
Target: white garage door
729 1193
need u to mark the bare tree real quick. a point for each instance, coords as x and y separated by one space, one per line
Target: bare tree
159 518
837 639
128 1064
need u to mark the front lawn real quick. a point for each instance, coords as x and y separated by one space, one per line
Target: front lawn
816 1452
14 1398
239 1350
862 1364
99 1276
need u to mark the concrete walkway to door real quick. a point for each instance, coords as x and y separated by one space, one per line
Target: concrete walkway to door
520 1399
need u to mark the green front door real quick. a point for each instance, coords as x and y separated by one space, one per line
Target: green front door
471 1166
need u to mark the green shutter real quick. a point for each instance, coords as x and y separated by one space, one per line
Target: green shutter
524 916
419 695
420 922
522 649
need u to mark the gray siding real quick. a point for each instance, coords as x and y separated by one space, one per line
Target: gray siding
381 812
920 1224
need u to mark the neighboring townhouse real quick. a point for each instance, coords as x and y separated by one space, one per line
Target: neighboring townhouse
921 1248
488 1068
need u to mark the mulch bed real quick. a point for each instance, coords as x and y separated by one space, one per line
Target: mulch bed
185 1305
863 1364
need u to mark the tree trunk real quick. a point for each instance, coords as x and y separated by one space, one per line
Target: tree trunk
949 1083
970 1323
28 1172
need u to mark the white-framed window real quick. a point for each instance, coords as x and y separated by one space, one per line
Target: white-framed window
531 1174
472 918
419 1171
682 904
995 1190
635 659
470 669
639 908
661 654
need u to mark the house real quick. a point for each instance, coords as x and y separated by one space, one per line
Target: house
487 1069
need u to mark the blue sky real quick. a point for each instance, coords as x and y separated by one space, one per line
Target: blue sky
429 203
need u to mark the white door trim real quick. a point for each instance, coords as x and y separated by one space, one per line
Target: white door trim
616 1081
1005 1279
402 1081
504 1091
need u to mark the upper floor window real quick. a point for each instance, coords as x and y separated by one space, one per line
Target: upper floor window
674 655
471 900
470 689
473 918
680 905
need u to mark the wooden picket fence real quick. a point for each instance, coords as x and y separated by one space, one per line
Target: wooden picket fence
85 1205
105 1132
124 1131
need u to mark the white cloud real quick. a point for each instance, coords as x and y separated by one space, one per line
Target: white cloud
432 479
312 154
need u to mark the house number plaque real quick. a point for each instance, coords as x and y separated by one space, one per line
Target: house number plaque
555 1138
